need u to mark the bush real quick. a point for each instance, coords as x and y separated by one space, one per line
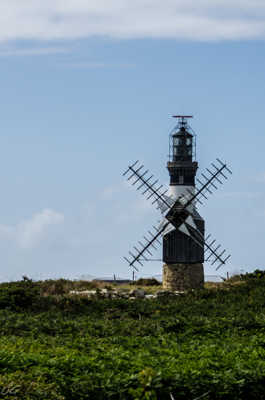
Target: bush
257 274
147 282
203 344
19 295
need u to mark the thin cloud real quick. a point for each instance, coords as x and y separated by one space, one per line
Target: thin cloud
28 233
125 19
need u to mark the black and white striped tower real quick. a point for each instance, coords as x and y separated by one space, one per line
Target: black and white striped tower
181 227
182 256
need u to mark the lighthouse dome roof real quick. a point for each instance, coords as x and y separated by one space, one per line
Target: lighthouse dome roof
182 132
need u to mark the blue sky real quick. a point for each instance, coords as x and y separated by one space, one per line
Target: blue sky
88 87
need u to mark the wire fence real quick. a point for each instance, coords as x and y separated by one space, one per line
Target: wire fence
159 277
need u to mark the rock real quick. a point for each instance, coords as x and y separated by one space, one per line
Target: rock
123 293
108 294
150 296
83 292
161 293
137 293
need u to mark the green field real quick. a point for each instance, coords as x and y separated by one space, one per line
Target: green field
207 344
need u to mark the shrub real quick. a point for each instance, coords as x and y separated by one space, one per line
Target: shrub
147 282
19 295
257 274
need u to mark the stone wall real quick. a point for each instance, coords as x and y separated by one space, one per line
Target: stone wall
183 276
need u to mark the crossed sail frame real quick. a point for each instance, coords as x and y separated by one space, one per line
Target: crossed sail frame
176 212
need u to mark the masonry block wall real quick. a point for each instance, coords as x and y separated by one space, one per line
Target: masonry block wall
183 276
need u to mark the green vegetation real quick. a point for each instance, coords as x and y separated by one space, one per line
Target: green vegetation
208 343
147 282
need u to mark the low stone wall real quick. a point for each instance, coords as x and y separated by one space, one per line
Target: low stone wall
183 276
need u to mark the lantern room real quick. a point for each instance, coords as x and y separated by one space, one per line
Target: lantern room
181 142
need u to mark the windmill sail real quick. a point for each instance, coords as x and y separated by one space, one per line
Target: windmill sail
151 242
215 176
213 252
179 213
149 186
210 180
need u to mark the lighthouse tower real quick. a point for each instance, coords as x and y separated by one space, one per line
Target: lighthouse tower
183 257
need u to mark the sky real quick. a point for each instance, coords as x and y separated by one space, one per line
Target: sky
88 87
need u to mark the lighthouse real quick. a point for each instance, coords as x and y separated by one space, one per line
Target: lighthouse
183 257
181 227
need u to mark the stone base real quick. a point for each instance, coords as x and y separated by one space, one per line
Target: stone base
183 276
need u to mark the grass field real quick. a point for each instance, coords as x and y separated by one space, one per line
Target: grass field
207 344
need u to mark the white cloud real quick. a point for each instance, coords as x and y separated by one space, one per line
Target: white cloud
29 233
180 19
